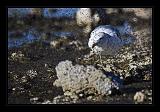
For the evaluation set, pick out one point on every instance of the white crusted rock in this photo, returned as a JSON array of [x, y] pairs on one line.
[[139, 97], [89, 17], [108, 40], [79, 78]]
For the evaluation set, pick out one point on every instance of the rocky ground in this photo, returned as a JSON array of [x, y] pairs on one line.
[[32, 67]]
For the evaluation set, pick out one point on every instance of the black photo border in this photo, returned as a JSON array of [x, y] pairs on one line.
[[76, 3]]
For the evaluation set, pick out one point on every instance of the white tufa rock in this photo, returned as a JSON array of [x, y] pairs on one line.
[[87, 19], [83, 16], [79, 78], [107, 40]]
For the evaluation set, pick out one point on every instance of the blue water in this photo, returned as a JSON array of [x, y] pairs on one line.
[[64, 34], [18, 11], [61, 12], [29, 36]]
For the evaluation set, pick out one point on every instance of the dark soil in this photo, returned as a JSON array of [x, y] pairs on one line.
[[36, 56]]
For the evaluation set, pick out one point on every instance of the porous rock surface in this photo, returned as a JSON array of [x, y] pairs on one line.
[[79, 78]]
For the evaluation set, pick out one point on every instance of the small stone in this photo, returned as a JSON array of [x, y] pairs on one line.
[[13, 89], [124, 94], [24, 79], [143, 91], [75, 97], [67, 93], [33, 100], [21, 55], [149, 93], [47, 102], [63, 100], [74, 101], [147, 77], [31, 73], [150, 98], [80, 95], [108, 68], [139, 97], [89, 97], [13, 54], [135, 19], [109, 92], [16, 56], [45, 65], [57, 83], [58, 97], [67, 99], [54, 43], [36, 98], [121, 77]]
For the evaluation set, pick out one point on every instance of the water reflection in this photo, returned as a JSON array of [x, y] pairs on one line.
[[26, 37], [33, 35], [59, 12], [19, 37]]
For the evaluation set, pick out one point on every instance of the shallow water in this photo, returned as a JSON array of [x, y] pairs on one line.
[[27, 37], [60, 12], [31, 35]]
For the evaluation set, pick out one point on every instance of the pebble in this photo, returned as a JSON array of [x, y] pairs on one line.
[[31, 73], [150, 99], [135, 19], [24, 79], [13, 54], [36, 98], [80, 95], [45, 65], [124, 95], [75, 97], [108, 68], [33, 100], [139, 97], [54, 43], [74, 101], [89, 97], [17, 55], [47, 102], [13, 89], [67, 93]]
